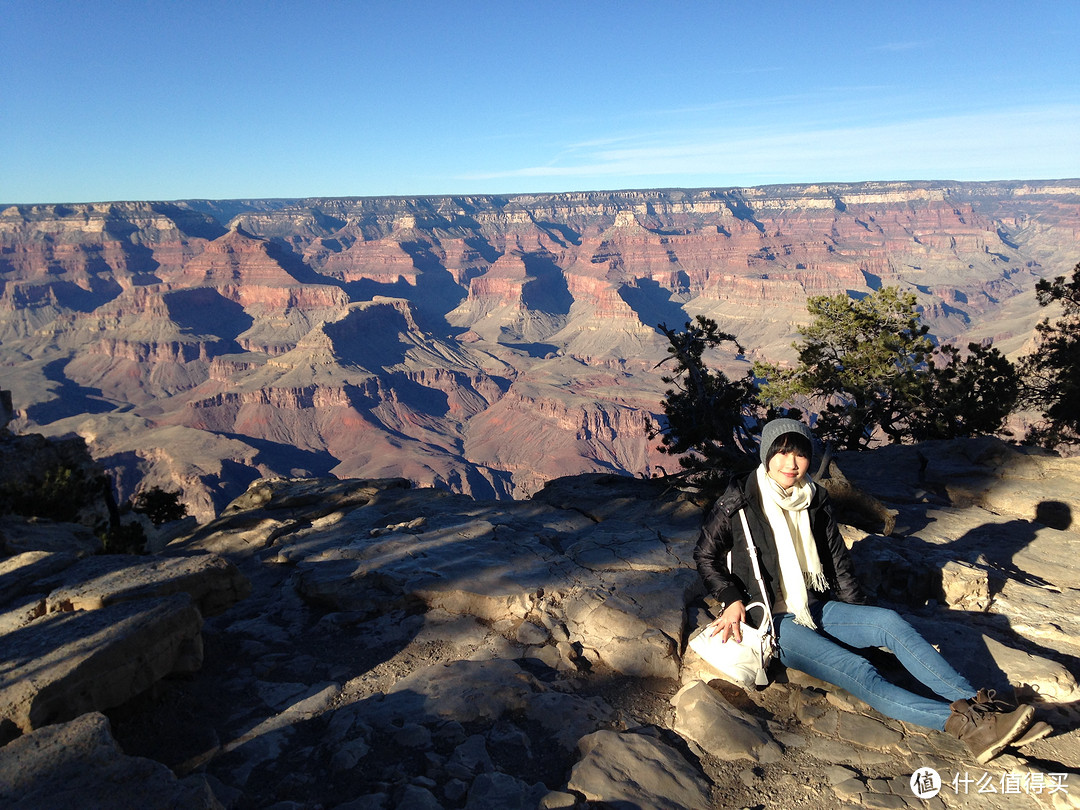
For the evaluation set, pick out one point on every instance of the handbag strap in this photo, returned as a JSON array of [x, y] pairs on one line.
[[752, 551]]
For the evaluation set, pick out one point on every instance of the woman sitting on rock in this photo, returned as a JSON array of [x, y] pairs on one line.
[[820, 612]]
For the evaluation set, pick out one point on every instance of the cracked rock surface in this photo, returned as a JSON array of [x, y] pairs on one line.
[[364, 644]]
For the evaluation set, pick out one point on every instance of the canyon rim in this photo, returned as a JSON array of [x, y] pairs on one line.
[[481, 344]]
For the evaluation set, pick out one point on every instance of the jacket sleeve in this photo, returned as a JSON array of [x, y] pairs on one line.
[[848, 588], [714, 542]]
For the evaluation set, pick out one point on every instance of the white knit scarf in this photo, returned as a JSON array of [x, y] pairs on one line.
[[800, 566]]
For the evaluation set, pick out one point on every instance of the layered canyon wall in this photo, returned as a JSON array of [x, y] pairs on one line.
[[484, 344]]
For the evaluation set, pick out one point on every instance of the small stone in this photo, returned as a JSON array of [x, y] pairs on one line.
[[372, 801], [848, 788], [557, 800], [884, 801], [837, 774], [414, 797], [454, 790], [413, 735], [471, 757], [750, 777], [818, 717], [878, 786], [450, 733], [348, 754], [531, 634], [500, 790], [547, 654]]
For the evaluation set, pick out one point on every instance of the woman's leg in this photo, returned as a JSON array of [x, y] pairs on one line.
[[863, 626], [815, 654]]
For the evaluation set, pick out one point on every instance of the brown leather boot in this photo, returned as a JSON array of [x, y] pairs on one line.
[[984, 726], [1036, 731]]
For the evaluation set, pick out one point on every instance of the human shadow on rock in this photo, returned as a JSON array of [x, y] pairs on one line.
[[995, 545], [962, 638], [907, 569], [907, 573]]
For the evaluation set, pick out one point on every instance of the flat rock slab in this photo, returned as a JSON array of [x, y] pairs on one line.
[[212, 582], [635, 770], [23, 573], [465, 691], [605, 497], [704, 716], [64, 664], [19, 535]]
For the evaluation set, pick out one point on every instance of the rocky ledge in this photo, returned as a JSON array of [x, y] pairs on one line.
[[364, 644]]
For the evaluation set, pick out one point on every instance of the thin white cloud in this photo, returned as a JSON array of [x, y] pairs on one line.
[[1022, 142], [902, 47]]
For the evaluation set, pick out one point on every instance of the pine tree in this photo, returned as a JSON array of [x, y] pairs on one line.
[[710, 419], [1051, 374], [873, 367]]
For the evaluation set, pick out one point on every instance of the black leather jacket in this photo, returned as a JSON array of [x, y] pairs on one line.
[[722, 532]]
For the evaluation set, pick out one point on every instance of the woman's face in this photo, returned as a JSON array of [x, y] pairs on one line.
[[788, 469]]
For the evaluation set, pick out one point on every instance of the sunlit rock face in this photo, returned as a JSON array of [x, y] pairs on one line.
[[484, 344]]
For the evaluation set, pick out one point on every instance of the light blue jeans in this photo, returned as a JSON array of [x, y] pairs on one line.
[[817, 653]]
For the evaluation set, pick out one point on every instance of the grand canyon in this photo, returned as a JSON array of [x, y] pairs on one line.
[[481, 344]]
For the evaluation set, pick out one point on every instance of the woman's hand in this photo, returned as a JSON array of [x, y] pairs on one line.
[[728, 623]]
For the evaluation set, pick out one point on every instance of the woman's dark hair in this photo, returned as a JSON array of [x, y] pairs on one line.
[[787, 442]]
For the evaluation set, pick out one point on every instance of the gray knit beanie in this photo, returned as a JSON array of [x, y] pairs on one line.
[[777, 428]]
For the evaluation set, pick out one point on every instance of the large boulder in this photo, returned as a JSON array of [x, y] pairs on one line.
[[79, 764], [64, 664]]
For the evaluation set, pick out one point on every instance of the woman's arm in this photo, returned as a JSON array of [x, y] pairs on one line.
[[714, 542], [848, 588]]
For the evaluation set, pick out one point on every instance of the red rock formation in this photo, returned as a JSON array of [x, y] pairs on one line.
[[529, 349]]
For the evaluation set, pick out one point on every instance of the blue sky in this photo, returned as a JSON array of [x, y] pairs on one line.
[[168, 100]]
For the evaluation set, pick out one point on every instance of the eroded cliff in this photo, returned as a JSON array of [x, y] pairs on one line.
[[482, 343]]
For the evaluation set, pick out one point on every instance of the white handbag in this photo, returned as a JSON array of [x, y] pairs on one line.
[[745, 662]]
